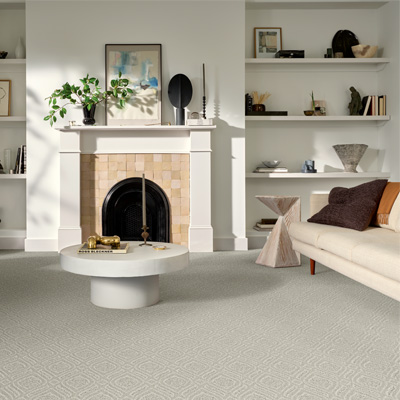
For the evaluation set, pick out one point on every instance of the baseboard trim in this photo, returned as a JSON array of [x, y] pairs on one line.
[[12, 243], [230, 244], [41, 245]]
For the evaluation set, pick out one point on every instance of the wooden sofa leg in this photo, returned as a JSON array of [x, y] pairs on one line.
[[312, 266]]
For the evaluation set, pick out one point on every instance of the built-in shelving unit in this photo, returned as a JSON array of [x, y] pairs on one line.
[[13, 128], [295, 137]]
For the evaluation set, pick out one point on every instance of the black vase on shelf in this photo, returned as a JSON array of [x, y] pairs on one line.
[[89, 115]]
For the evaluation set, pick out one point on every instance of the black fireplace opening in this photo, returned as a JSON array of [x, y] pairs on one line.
[[122, 211]]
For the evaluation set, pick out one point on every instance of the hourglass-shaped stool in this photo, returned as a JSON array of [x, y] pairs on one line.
[[277, 251]]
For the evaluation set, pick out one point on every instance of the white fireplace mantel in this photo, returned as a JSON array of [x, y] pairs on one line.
[[194, 140]]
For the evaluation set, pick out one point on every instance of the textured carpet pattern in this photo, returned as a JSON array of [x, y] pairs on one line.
[[225, 328]]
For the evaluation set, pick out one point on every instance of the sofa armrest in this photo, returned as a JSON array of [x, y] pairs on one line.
[[317, 202]]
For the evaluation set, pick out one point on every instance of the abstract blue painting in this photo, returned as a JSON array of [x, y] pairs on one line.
[[141, 65]]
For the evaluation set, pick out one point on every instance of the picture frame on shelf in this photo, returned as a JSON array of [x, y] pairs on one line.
[[5, 98], [141, 65], [267, 42]]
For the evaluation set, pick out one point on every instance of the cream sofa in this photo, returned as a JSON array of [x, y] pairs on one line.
[[371, 257]]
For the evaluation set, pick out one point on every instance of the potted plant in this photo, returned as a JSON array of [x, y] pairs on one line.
[[89, 95]]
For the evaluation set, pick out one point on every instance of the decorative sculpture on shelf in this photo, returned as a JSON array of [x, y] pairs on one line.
[[113, 241], [355, 105]]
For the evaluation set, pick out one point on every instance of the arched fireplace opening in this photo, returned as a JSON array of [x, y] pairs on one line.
[[122, 211]]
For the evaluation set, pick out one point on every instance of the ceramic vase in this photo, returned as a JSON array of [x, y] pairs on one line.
[[350, 155], [20, 50], [89, 115]]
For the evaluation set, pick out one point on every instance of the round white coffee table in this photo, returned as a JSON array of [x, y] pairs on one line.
[[128, 280]]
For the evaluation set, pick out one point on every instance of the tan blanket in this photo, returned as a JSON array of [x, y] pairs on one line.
[[389, 196]]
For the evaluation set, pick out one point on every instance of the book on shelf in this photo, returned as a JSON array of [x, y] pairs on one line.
[[266, 169], [103, 249], [20, 161], [374, 105], [257, 228], [265, 224]]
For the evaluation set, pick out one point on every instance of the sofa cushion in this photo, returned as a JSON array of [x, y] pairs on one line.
[[388, 208], [374, 248], [351, 208], [394, 217], [381, 256]]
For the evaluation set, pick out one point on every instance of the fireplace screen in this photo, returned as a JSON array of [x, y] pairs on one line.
[[122, 211]]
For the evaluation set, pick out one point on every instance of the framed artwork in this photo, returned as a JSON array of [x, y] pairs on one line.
[[5, 92], [267, 41], [141, 65]]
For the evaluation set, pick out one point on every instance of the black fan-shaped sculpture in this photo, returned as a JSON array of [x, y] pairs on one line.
[[342, 42], [180, 93]]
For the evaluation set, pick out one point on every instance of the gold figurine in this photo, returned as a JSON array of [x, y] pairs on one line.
[[113, 241], [145, 235]]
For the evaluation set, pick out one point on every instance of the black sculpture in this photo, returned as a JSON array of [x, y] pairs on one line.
[[342, 42], [355, 104], [180, 93]]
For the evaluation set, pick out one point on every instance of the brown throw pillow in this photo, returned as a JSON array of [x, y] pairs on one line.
[[351, 208]]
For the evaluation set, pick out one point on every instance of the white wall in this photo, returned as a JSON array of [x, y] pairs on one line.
[[65, 40], [312, 29], [389, 34]]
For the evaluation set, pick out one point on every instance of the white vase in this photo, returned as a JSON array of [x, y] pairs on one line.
[[20, 50]]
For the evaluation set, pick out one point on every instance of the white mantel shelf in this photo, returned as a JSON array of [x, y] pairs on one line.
[[139, 128], [318, 175]]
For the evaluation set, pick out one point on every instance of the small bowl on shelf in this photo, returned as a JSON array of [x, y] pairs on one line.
[[3, 54], [271, 164], [309, 113], [364, 50]]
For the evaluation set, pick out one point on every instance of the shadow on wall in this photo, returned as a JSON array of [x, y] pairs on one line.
[[44, 161]]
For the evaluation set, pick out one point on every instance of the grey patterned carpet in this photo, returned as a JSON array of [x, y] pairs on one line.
[[226, 328]]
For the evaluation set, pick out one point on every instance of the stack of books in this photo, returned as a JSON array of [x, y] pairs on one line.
[[266, 224], [266, 169], [374, 105], [20, 161]]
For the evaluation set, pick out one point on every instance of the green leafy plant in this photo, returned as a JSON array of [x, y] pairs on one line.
[[87, 95]]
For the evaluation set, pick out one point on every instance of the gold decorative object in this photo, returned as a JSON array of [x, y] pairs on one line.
[[113, 241], [145, 235], [159, 247], [260, 99]]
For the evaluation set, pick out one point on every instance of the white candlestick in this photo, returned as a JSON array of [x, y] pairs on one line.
[[144, 199]]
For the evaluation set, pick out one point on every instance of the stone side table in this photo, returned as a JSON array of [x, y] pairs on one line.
[[277, 251]]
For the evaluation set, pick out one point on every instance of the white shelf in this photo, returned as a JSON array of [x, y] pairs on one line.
[[13, 119], [317, 64], [254, 233], [313, 4], [12, 61], [303, 118], [324, 61], [12, 176], [318, 175]]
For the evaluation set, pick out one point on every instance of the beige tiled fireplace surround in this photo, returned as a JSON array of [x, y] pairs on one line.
[[100, 172]]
